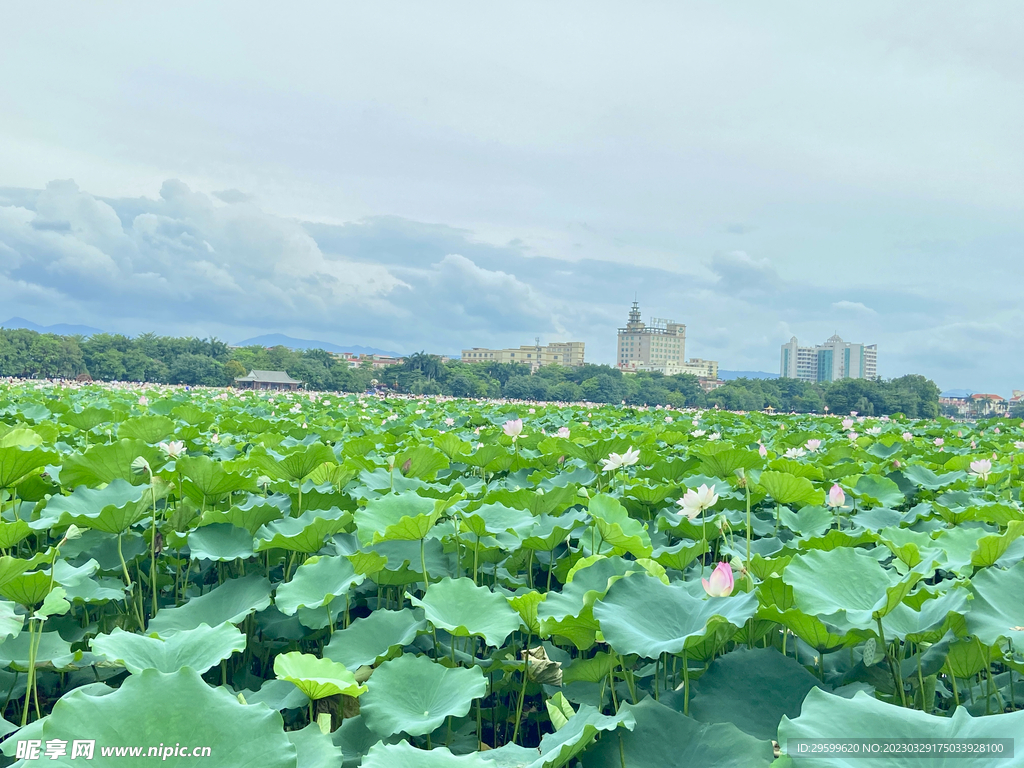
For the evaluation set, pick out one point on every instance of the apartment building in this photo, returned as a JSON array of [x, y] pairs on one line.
[[834, 360], [658, 346], [568, 353]]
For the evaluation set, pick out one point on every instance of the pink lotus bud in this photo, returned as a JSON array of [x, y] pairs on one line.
[[836, 497], [762, 450], [813, 445], [939, 441], [847, 423], [721, 582], [513, 428]]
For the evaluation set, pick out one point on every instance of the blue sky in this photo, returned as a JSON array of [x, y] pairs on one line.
[[446, 175]]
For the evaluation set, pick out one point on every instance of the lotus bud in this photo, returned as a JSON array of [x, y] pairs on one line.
[[836, 497], [721, 582], [141, 467]]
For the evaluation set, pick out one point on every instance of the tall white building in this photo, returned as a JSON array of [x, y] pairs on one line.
[[658, 346], [835, 359]]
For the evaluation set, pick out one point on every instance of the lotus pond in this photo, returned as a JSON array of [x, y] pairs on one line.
[[294, 579]]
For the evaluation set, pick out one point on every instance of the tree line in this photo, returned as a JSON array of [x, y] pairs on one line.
[[211, 362]]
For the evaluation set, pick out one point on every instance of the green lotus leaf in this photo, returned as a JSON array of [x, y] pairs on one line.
[[80, 586], [930, 622], [251, 515], [11, 622], [231, 602], [299, 463], [106, 463], [371, 639], [497, 518], [991, 548], [12, 567], [314, 747], [646, 617], [201, 648], [549, 531], [927, 479], [220, 541], [624, 533], [277, 694], [464, 609], [997, 610], [752, 689], [809, 521], [20, 438], [87, 418], [53, 651], [305, 533], [148, 429], [88, 503], [797, 468], [207, 479], [825, 716], [317, 678], [405, 755], [788, 489], [590, 670], [13, 533], [414, 695], [316, 583], [526, 605], [559, 748], [403, 516], [724, 463], [665, 738], [421, 461], [880, 490], [16, 462], [28, 589], [238, 736], [848, 580]]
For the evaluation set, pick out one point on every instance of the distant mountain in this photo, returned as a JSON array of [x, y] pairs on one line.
[[280, 340], [729, 375], [61, 329]]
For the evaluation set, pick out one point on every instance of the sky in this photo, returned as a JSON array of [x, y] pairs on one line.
[[445, 175]]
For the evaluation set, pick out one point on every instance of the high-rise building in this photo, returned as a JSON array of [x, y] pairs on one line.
[[835, 359], [658, 346], [643, 346]]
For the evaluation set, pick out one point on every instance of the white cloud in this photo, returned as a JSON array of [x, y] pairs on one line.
[[853, 306]]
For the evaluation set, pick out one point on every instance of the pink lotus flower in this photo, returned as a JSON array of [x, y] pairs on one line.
[[996, 430], [853, 413], [939, 441], [982, 468], [721, 582], [762, 451], [513, 428], [813, 445], [959, 433], [973, 444], [836, 497], [852, 435], [563, 432], [907, 436], [847, 423], [143, 401], [668, 419]]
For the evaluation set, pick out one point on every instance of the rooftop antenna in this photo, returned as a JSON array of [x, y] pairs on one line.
[[537, 340]]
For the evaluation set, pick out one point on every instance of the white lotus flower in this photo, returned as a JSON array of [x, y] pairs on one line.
[[173, 449], [794, 453], [697, 500], [616, 461]]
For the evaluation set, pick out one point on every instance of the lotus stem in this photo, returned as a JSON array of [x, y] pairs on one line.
[[423, 562], [522, 692]]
